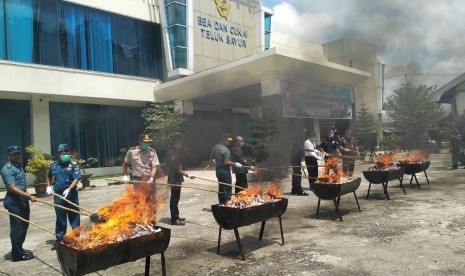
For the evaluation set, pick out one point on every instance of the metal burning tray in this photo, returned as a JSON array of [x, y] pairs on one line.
[[383, 178], [333, 191], [81, 262], [414, 168], [229, 218]]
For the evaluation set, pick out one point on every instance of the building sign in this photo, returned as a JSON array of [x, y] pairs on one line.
[[223, 8], [220, 31], [312, 101]]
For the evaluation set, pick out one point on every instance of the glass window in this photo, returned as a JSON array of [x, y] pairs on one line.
[[167, 2], [126, 46], [73, 48], [177, 32], [15, 117], [19, 31], [96, 130], [46, 35], [2, 29], [267, 30], [99, 41]]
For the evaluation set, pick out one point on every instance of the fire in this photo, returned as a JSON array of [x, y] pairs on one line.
[[252, 197], [386, 159], [135, 209], [415, 157], [331, 172]]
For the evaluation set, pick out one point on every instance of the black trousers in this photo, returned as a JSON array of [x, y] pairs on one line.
[[174, 201], [312, 168], [241, 181], [296, 177], [18, 230]]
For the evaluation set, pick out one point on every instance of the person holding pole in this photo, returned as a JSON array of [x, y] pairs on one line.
[[63, 177], [17, 202]]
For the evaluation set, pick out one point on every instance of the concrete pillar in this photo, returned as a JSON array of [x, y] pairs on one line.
[[184, 107], [40, 122], [316, 129]]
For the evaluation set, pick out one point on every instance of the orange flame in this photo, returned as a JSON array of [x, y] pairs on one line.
[[273, 191], [415, 157], [252, 196], [386, 159], [137, 206], [331, 172]]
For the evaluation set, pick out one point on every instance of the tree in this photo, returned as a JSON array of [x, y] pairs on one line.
[[164, 123], [413, 113], [365, 129]]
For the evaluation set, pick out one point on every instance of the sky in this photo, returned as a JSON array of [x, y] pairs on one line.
[[423, 39]]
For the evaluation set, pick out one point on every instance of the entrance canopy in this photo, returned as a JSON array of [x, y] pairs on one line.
[[252, 70]]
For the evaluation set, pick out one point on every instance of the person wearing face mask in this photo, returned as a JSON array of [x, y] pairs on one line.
[[63, 177], [143, 160], [331, 144], [237, 156]]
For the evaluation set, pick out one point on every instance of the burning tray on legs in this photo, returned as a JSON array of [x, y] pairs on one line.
[[229, 218], [383, 177], [333, 191], [79, 262], [414, 168]]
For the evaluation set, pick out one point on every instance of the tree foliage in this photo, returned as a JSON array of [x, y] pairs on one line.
[[365, 129], [415, 115], [164, 124]]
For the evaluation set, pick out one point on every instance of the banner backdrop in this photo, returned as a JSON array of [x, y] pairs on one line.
[[312, 101]]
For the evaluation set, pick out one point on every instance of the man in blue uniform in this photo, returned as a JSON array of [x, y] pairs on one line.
[[64, 176], [17, 202]]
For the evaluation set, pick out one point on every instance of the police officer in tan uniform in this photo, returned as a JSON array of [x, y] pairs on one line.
[[143, 160]]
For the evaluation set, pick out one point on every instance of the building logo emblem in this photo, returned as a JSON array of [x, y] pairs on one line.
[[223, 7]]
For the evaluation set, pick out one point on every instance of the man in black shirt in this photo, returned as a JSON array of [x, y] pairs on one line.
[[238, 156]]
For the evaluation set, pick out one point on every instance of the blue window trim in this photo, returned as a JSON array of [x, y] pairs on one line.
[[175, 43]]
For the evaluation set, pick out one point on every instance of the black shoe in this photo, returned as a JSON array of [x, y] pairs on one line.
[[303, 194], [178, 222], [182, 219], [24, 257], [453, 168]]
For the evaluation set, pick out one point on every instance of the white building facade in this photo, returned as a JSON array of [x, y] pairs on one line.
[[81, 71]]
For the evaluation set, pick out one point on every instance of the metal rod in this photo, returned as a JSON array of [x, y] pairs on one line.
[[62, 207], [71, 203], [262, 229], [27, 221], [188, 187], [282, 232], [221, 183]]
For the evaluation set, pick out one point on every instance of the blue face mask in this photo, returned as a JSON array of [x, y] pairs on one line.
[[145, 146], [65, 158], [241, 144], [331, 135]]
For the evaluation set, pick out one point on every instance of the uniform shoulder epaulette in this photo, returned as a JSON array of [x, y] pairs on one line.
[[131, 148], [153, 150], [9, 165]]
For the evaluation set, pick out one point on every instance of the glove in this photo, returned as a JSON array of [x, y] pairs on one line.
[[191, 176], [238, 165], [150, 180], [65, 193], [125, 179], [49, 190]]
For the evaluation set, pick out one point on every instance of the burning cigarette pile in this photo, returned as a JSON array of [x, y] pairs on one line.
[[252, 197], [130, 216], [415, 157], [332, 174], [384, 162]]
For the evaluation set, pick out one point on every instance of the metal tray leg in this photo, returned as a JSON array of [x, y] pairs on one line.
[[219, 241], [163, 268], [416, 180], [427, 180], [385, 185], [356, 200], [238, 239], [147, 266], [281, 227], [368, 193], [262, 229], [402, 185], [337, 209], [318, 208], [411, 179]]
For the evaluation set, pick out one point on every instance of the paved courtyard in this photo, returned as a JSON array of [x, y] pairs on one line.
[[421, 233]]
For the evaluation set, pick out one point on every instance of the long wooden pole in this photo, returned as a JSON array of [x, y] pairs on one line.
[[189, 187], [27, 221], [265, 169], [221, 183], [62, 207], [71, 203]]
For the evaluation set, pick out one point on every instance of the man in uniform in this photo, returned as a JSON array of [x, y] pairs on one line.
[[17, 202], [143, 160], [311, 157], [221, 156], [238, 156], [63, 177]]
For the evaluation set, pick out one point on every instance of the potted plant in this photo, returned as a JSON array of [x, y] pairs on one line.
[[83, 165], [38, 164]]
